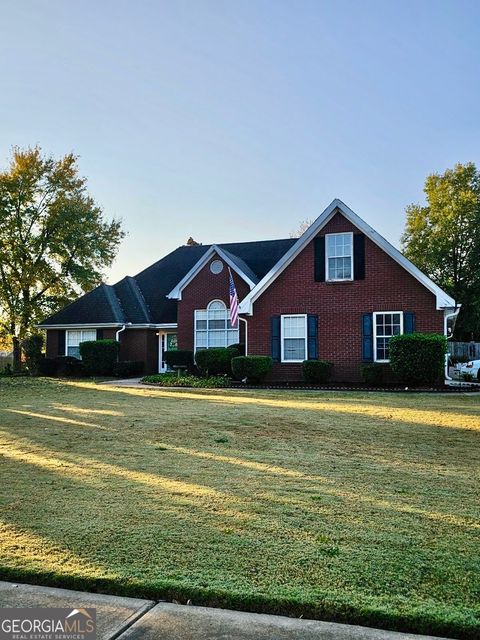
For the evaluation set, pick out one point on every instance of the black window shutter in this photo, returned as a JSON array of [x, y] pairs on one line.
[[319, 259], [275, 337], [359, 256], [367, 337], [312, 326], [99, 334], [61, 342], [409, 322]]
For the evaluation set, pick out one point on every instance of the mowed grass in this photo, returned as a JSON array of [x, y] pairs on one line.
[[362, 508]]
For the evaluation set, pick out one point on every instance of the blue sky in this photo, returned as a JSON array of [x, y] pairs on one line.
[[231, 121]]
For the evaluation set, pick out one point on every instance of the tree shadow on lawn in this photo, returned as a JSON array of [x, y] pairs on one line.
[[339, 464], [271, 553], [381, 408], [233, 504]]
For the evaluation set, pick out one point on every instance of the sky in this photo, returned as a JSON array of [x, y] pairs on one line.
[[234, 121]]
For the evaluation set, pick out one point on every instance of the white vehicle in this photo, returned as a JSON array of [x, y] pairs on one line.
[[472, 368]]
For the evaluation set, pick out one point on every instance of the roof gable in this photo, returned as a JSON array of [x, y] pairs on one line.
[[442, 298], [234, 262]]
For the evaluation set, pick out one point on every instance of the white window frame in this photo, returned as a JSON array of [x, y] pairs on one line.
[[282, 322], [382, 313], [327, 278], [226, 330], [82, 332]]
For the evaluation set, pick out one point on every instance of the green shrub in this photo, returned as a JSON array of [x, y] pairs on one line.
[[180, 358], [47, 367], [174, 380], [216, 361], [99, 356], [418, 358], [239, 346], [317, 371], [373, 373], [32, 348], [253, 368], [128, 368], [69, 367]]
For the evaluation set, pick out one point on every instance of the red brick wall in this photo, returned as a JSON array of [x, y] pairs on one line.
[[204, 288], [339, 306], [140, 344], [51, 344]]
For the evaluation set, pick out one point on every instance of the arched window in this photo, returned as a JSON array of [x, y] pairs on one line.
[[213, 328]]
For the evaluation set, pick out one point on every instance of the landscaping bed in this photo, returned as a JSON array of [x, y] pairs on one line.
[[356, 507]]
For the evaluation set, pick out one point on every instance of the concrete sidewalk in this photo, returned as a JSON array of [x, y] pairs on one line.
[[134, 619]]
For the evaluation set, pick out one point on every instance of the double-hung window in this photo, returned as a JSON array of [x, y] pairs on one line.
[[385, 325], [294, 338], [74, 338], [339, 256], [213, 327]]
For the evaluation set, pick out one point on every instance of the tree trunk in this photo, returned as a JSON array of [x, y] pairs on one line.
[[17, 354]]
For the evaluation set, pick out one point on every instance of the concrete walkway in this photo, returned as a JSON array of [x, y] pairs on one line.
[[134, 619]]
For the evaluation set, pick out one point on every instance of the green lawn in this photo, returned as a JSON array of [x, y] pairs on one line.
[[354, 507]]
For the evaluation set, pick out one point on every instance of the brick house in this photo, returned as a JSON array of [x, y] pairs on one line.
[[336, 293]]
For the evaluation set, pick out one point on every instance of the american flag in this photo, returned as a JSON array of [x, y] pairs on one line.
[[233, 302]]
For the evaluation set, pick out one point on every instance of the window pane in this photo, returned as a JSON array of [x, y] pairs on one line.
[[217, 304], [294, 349], [201, 339], [216, 324], [339, 268], [73, 338], [213, 328], [232, 337], [216, 338], [294, 326], [339, 245], [89, 335], [172, 344], [74, 352], [386, 325], [382, 349]]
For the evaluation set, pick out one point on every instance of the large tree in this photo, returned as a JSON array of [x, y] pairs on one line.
[[443, 240], [54, 240]]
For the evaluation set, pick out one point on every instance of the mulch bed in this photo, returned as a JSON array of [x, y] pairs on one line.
[[392, 388]]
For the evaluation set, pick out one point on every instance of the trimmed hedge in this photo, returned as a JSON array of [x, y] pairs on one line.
[[174, 380], [69, 367], [47, 367], [239, 346], [99, 356], [253, 368], [128, 368], [418, 358], [216, 361], [372, 373], [317, 371], [180, 358]]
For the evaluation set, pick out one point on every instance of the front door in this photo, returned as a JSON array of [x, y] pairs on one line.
[[166, 342]]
